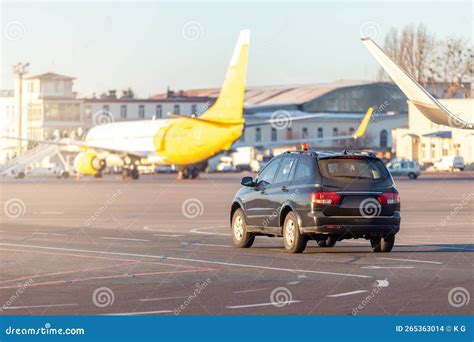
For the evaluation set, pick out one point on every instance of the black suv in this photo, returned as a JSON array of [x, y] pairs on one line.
[[322, 196]]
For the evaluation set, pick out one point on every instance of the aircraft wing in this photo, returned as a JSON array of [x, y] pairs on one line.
[[280, 120], [424, 101], [357, 134], [82, 145]]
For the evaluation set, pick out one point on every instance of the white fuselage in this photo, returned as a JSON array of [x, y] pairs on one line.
[[127, 136]]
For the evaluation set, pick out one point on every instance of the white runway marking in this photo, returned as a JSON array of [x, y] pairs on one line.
[[157, 299], [204, 244], [386, 267], [53, 234], [38, 306], [168, 235], [347, 293], [247, 291], [261, 304], [124, 239], [139, 313], [412, 260], [198, 231], [162, 257], [293, 282]]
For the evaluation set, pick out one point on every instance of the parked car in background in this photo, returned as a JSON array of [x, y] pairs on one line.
[[257, 165], [449, 163], [404, 168], [226, 164]]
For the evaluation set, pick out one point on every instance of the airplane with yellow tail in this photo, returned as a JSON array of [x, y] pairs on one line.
[[182, 140]]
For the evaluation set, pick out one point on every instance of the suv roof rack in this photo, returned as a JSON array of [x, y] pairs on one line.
[[366, 152], [311, 153], [324, 154]]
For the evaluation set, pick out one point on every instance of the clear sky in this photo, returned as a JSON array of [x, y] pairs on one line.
[[115, 45]]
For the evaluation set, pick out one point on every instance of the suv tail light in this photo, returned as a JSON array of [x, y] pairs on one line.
[[325, 198], [389, 198]]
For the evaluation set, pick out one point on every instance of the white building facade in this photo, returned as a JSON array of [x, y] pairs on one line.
[[428, 142]]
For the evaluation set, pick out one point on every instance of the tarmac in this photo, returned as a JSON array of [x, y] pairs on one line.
[[158, 246]]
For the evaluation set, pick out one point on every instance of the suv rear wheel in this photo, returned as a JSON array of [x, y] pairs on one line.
[[294, 241], [329, 242], [382, 244], [242, 238]]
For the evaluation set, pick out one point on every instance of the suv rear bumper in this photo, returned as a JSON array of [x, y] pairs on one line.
[[354, 225]]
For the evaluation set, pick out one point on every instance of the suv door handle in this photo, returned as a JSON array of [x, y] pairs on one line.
[[284, 188]]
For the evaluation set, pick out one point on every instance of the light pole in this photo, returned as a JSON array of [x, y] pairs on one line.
[[20, 70]]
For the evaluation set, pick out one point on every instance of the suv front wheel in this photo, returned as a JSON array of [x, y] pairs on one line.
[[382, 244], [242, 238], [294, 241]]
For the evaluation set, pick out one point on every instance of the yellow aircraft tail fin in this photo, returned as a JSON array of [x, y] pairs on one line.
[[364, 123], [229, 105]]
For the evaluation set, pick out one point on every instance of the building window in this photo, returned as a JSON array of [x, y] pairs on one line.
[[457, 149], [335, 132], [304, 133], [194, 109], [383, 138], [289, 133], [274, 134], [176, 109], [123, 111], [258, 134], [159, 111], [106, 109], [141, 111], [320, 132], [87, 111]]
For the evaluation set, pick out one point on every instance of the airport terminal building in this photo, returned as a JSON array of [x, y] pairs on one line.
[[336, 108], [52, 109]]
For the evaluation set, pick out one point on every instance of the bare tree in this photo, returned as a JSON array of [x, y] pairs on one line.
[[430, 61], [411, 49], [452, 66]]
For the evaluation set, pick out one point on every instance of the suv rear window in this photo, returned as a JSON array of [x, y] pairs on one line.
[[353, 169]]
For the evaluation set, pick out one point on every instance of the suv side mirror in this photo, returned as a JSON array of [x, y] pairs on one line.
[[247, 181]]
